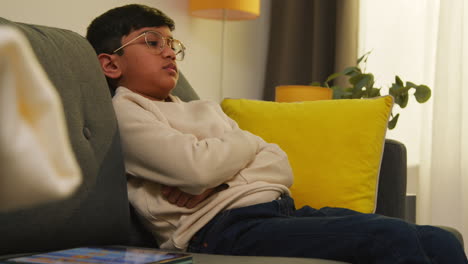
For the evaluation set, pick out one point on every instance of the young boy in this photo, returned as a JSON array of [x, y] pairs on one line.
[[201, 184]]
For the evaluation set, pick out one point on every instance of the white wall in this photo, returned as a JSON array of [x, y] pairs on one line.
[[245, 52], [401, 35]]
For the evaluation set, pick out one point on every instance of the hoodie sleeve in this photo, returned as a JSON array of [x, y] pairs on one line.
[[271, 163], [156, 151]]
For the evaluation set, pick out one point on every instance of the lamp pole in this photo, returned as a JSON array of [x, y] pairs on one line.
[[243, 10], [223, 29]]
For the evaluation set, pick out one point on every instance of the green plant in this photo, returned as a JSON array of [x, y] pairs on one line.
[[361, 85]]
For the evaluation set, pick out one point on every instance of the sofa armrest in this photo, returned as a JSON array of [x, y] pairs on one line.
[[391, 197]]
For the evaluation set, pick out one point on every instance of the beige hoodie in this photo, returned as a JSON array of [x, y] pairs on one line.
[[193, 146]]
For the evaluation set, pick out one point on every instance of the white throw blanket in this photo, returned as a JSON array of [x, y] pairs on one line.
[[37, 163]]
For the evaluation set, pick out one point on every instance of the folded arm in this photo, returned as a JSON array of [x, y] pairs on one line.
[[271, 163], [157, 152]]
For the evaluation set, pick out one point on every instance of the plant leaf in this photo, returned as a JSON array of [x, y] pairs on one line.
[[408, 87], [422, 94], [411, 85], [374, 92], [355, 79], [402, 100], [315, 84], [396, 90], [360, 81], [333, 76], [351, 71], [393, 122], [338, 92], [363, 57], [398, 80], [342, 93], [357, 94], [369, 86]]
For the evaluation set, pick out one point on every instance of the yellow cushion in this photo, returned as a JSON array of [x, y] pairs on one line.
[[335, 147]]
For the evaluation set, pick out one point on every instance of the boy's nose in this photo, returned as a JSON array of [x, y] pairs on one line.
[[168, 52]]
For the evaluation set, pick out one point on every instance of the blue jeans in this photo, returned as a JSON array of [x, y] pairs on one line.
[[278, 229]]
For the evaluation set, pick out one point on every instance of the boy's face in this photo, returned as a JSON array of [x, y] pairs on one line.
[[145, 72]]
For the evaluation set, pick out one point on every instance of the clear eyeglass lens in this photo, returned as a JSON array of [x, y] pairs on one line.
[[156, 42], [178, 49]]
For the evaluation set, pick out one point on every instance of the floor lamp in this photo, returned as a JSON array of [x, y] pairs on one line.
[[225, 10]]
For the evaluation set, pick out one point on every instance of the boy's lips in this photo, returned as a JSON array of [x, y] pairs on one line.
[[171, 67]]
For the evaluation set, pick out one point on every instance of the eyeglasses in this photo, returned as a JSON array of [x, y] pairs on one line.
[[156, 42]]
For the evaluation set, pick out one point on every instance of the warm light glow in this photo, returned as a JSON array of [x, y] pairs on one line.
[[225, 9]]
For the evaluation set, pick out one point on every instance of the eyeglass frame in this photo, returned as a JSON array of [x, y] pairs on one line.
[[166, 40]]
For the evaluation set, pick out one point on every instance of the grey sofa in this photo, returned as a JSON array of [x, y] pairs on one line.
[[99, 212]]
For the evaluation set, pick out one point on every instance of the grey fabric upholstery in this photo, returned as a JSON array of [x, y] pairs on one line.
[[184, 90], [99, 212], [391, 197]]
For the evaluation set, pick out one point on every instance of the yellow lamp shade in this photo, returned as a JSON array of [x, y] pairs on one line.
[[225, 9], [299, 93]]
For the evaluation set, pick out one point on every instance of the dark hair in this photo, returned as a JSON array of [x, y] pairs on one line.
[[106, 31]]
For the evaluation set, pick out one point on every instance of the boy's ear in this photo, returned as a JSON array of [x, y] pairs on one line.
[[110, 66]]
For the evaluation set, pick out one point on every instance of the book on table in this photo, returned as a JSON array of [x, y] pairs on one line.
[[101, 255]]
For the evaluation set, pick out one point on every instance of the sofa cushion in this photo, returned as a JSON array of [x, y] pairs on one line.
[[334, 146], [184, 90], [98, 212]]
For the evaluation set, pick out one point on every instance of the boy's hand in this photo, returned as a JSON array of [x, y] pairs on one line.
[[175, 196]]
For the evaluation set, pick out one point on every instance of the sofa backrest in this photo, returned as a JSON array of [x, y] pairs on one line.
[[98, 213]]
